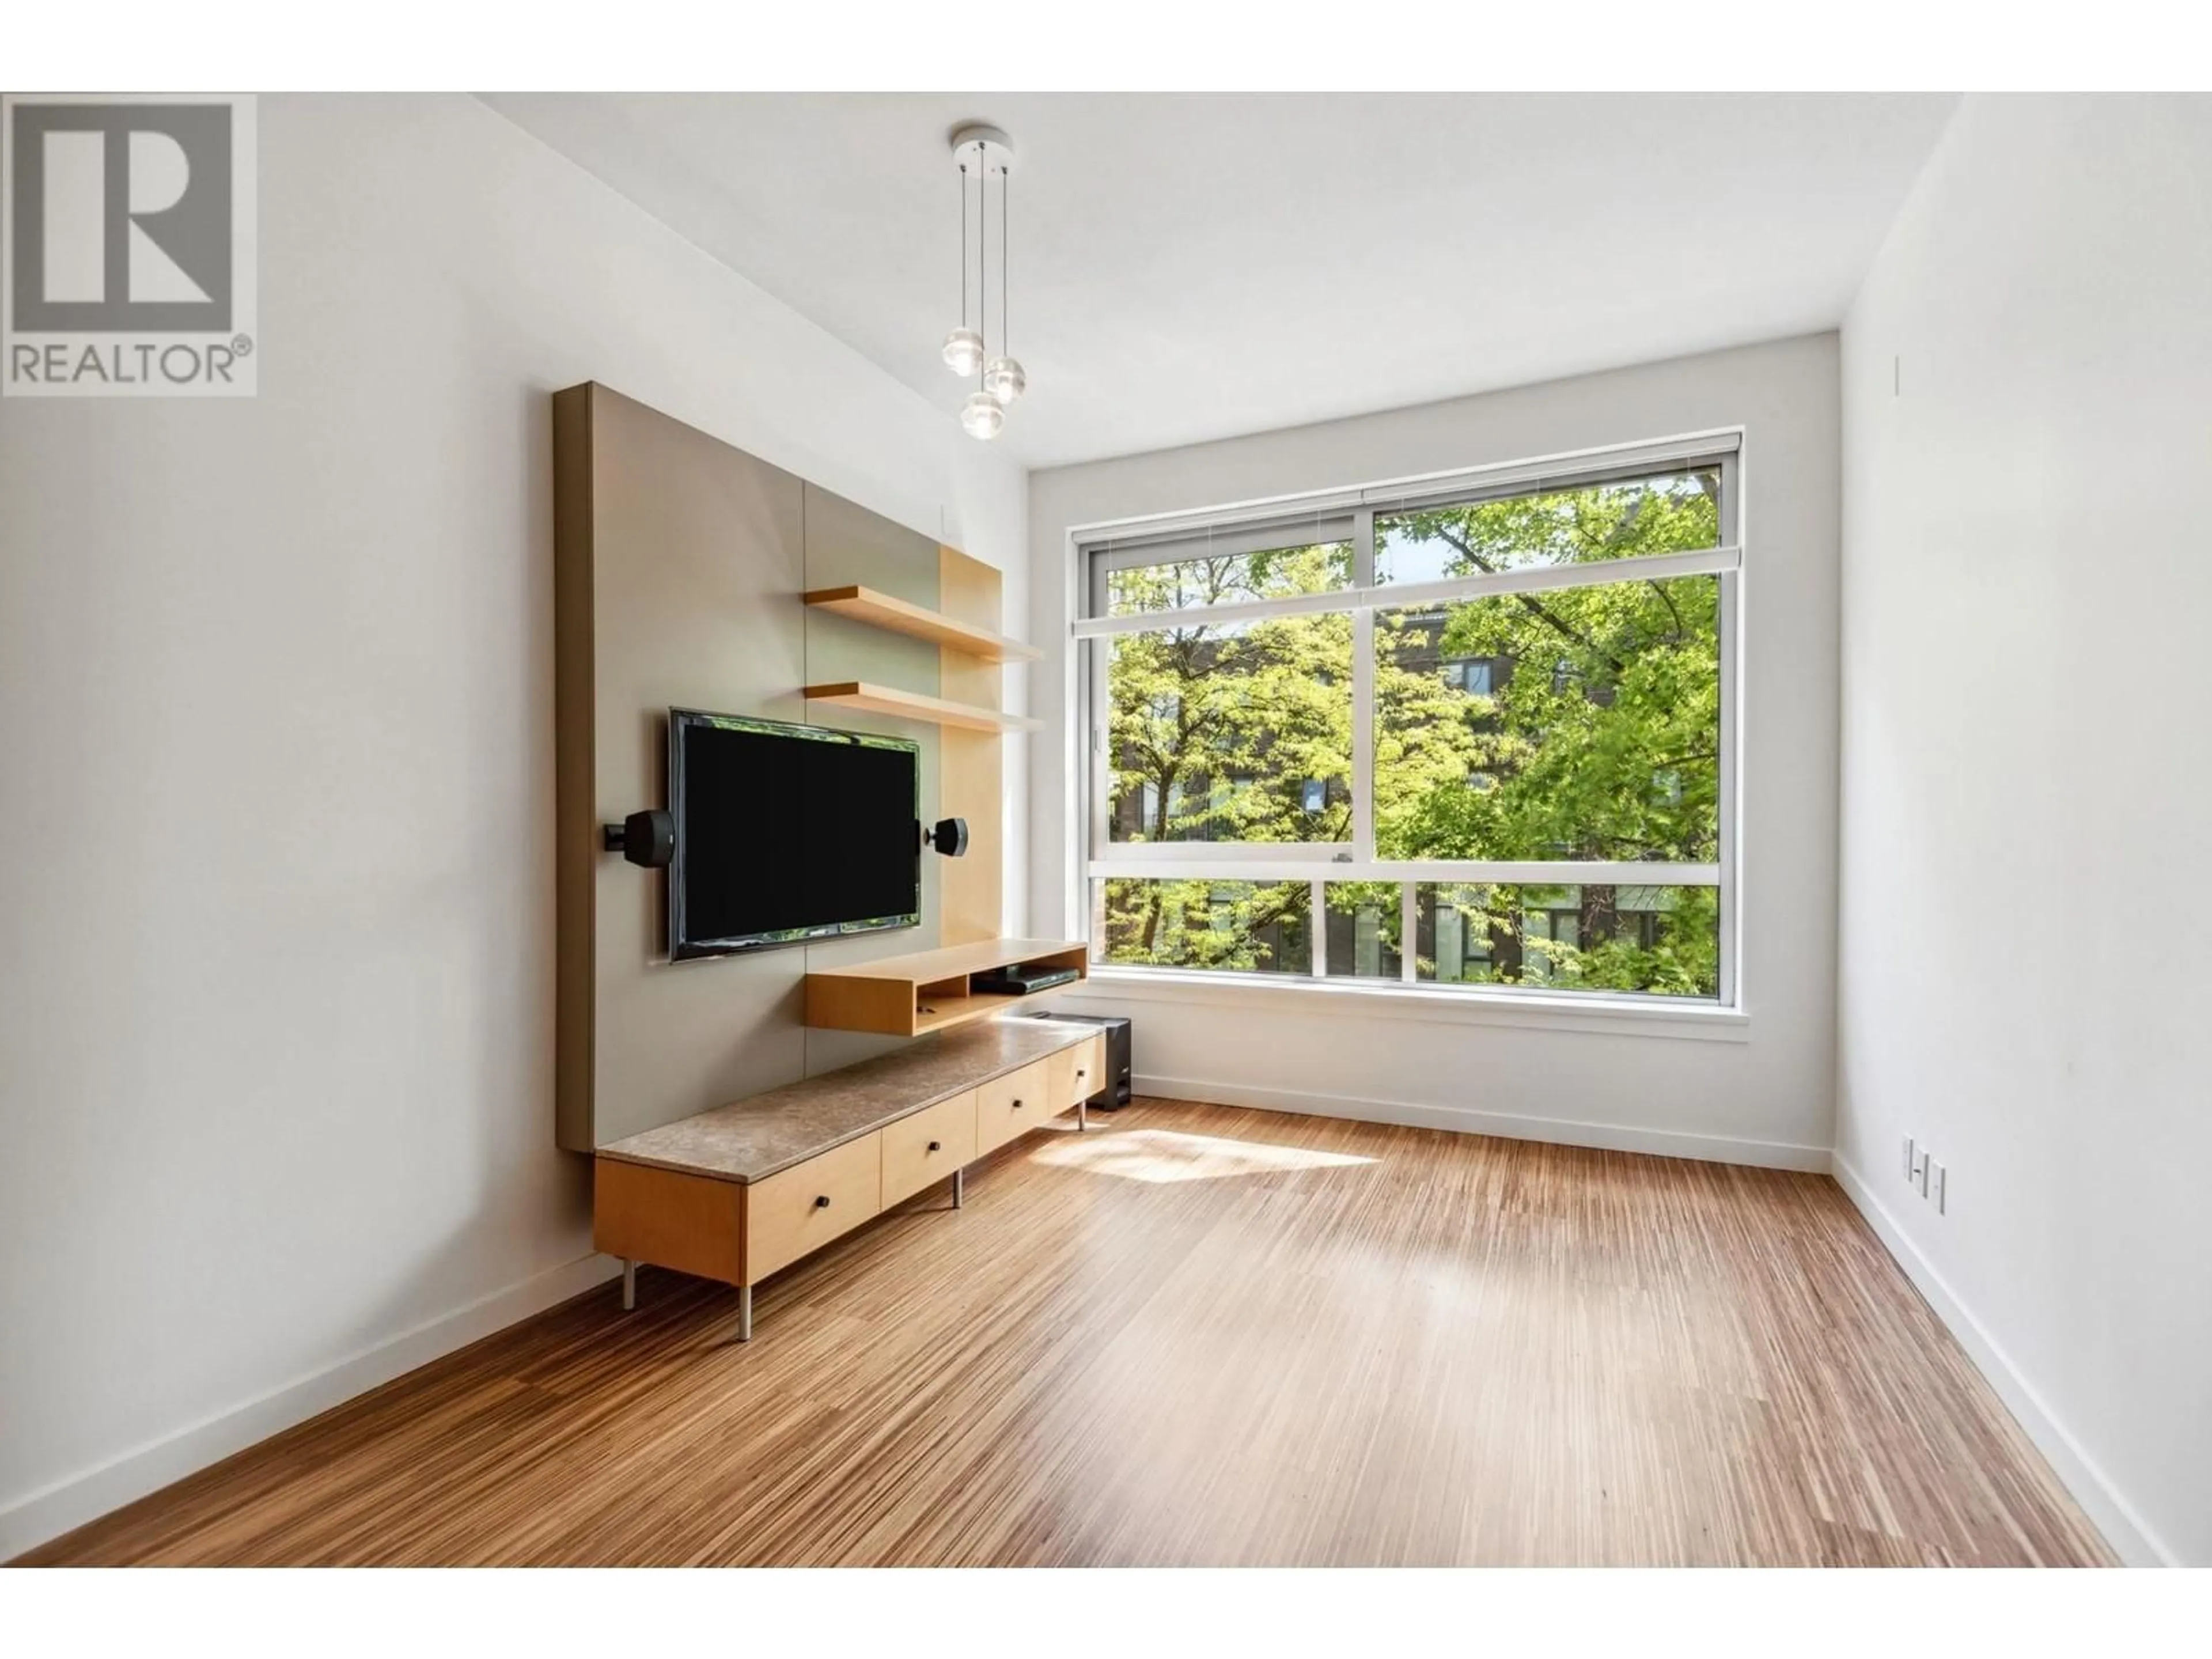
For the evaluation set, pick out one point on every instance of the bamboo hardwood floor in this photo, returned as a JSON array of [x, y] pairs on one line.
[[1198, 1335]]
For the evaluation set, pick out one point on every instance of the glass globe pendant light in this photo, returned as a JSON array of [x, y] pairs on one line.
[[963, 351], [982, 416], [1000, 379], [963, 347], [1004, 381], [1003, 378]]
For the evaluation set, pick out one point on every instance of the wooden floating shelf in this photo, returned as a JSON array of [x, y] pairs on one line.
[[912, 705], [929, 991], [882, 611]]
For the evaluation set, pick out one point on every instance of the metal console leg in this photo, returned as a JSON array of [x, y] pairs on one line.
[[1082, 1115], [744, 1313], [959, 1187], [630, 1284]]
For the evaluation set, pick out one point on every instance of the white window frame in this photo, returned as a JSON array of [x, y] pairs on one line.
[[1097, 548]]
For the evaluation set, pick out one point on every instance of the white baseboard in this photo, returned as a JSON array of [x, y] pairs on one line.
[[1611, 1137], [31, 1520], [2131, 1540]]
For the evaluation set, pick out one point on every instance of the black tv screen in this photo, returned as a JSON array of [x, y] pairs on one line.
[[787, 832]]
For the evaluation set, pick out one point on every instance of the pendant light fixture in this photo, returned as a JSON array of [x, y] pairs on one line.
[[982, 154], [963, 347], [982, 416], [1003, 376]]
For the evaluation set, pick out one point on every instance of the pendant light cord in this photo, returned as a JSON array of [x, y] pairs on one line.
[[982, 257], [964, 247], [1005, 191]]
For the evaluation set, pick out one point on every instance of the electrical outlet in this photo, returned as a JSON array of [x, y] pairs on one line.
[[1924, 1175]]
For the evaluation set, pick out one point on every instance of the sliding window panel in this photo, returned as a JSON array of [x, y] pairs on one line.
[[1580, 724], [1667, 512], [1614, 937], [1234, 568], [1216, 926]]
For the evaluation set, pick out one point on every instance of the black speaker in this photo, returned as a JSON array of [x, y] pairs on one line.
[[643, 838], [948, 835]]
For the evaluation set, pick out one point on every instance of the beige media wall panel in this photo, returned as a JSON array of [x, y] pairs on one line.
[[679, 565]]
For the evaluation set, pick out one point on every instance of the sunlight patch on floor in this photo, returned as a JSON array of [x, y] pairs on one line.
[[1162, 1155]]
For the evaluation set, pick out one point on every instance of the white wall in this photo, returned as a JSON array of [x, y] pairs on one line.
[[2027, 939], [1766, 1099], [276, 744]]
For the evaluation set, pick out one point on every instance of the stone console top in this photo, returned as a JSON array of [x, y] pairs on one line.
[[753, 1138]]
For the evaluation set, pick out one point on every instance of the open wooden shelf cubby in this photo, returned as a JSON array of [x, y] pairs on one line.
[[930, 990]]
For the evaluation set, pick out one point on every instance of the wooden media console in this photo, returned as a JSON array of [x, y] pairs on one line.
[[736, 1192]]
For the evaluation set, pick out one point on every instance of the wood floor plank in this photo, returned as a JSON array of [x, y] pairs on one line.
[[1199, 1335]]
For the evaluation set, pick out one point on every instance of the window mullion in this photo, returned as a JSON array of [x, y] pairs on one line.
[[1362, 695], [1526, 579], [1731, 690], [1099, 757], [1166, 862], [1363, 730]]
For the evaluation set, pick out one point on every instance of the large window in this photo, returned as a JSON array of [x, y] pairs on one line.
[[1478, 735]]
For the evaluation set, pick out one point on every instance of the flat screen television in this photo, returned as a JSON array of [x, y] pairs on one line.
[[788, 833]]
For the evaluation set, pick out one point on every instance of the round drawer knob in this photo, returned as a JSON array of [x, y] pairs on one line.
[[822, 1202], [936, 1145], [1017, 1105], [1082, 1074]]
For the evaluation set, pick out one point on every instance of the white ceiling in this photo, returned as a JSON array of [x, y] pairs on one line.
[[1194, 266]]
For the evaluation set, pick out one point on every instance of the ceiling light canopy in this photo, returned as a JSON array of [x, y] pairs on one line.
[[983, 154]]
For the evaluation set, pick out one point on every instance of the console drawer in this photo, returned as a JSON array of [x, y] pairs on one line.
[[785, 1215], [1077, 1073], [927, 1147], [1011, 1105]]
